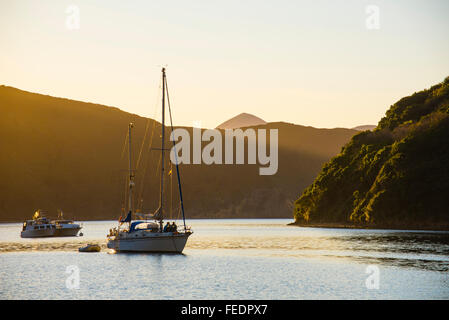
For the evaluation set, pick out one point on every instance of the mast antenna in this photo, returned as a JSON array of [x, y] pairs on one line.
[[131, 174], [161, 201]]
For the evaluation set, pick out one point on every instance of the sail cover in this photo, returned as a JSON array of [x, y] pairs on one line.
[[128, 218]]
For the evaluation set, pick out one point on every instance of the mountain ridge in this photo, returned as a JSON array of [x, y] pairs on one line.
[[365, 127], [65, 154], [395, 176]]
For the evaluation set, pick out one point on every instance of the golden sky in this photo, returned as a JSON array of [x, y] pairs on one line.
[[313, 63]]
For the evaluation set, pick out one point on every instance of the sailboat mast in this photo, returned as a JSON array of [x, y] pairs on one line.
[[131, 175], [161, 203], [176, 158]]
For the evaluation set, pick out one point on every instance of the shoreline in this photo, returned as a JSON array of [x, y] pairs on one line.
[[322, 225], [337, 225], [90, 220]]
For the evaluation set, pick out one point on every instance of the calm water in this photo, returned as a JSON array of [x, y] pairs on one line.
[[232, 259]]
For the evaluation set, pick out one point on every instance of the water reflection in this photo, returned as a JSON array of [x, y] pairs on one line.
[[270, 238]]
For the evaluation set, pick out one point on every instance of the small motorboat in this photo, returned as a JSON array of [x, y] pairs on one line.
[[90, 248], [40, 226]]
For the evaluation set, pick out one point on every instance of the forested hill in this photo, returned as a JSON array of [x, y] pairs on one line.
[[66, 154], [395, 176]]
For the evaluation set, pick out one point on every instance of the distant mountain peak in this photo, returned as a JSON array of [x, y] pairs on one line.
[[242, 120], [365, 127]]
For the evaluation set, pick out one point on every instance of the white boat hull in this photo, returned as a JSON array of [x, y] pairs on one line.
[[158, 242], [37, 233], [67, 232]]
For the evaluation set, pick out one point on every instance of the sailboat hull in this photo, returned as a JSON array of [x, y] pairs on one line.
[[157, 243]]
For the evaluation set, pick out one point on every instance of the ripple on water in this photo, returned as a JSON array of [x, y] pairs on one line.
[[272, 238]]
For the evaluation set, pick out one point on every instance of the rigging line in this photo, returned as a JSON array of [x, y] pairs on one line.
[[158, 167], [147, 126], [126, 196], [176, 156], [146, 162], [178, 210], [142, 185], [125, 143], [143, 143], [171, 190]]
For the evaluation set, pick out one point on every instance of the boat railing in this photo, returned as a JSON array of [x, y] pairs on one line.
[[182, 229]]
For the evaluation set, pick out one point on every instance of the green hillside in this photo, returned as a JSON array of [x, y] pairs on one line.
[[60, 153], [395, 176]]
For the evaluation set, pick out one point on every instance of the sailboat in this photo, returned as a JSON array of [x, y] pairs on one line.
[[149, 235]]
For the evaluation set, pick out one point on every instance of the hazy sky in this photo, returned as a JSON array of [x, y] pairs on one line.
[[308, 62]]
